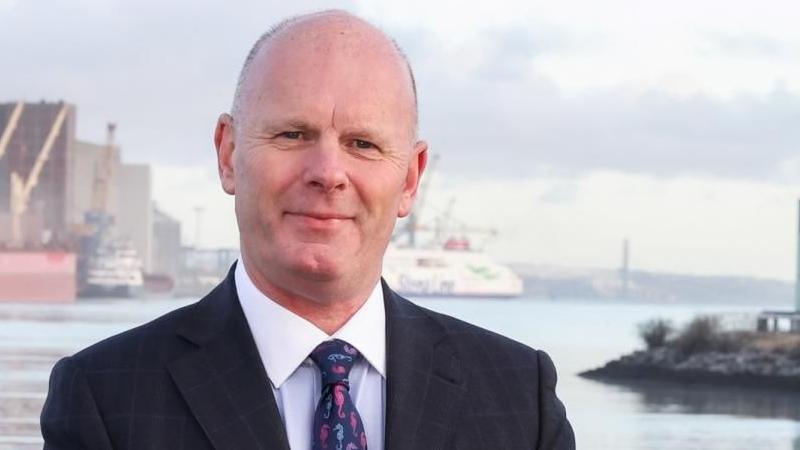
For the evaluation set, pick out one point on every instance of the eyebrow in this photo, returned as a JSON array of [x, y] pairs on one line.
[[292, 122], [365, 131]]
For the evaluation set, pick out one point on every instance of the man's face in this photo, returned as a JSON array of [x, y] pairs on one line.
[[324, 161]]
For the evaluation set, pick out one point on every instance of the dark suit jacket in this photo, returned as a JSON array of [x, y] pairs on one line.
[[193, 380]]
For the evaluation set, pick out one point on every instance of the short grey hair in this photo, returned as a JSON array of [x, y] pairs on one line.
[[285, 23]]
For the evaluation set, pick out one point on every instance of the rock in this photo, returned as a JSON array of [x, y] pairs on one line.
[[746, 368]]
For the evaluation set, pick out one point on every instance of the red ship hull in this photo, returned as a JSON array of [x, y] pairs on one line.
[[37, 276]]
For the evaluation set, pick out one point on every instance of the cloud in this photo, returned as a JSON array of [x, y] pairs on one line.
[[510, 52], [490, 109], [745, 45], [521, 124]]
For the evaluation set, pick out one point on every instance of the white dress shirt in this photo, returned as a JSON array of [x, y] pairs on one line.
[[284, 341]]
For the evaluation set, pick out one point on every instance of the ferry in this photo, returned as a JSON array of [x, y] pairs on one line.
[[452, 270]]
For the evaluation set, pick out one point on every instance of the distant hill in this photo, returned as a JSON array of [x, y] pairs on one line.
[[559, 282]]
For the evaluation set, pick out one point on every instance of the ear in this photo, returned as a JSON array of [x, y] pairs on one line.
[[224, 142], [416, 167]]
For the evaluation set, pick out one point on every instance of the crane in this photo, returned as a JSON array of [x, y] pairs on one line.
[[21, 189], [10, 127], [102, 174], [97, 220]]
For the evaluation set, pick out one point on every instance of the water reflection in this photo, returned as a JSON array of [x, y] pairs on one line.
[[658, 397]]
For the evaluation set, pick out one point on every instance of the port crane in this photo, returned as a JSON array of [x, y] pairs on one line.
[[21, 188], [444, 221], [98, 219], [10, 127]]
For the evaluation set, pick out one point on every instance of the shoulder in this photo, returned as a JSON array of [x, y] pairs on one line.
[[148, 344], [514, 381], [155, 343], [471, 335], [106, 371], [472, 342]]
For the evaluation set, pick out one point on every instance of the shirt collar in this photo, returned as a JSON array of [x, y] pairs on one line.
[[284, 340]]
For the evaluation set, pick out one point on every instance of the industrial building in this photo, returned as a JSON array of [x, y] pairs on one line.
[[54, 187], [166, 255]]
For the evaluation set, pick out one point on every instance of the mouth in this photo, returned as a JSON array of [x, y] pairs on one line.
[[319, 220], [320, 215]]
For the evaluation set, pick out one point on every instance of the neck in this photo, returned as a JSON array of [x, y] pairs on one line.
[[328, 306]]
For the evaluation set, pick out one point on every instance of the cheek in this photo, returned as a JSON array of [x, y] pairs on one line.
[[256, 197], [384, 199], [264, 175]]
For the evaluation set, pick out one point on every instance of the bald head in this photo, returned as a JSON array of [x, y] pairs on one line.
[[329, 31]]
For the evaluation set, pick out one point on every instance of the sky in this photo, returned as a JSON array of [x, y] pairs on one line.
[[565, 126]]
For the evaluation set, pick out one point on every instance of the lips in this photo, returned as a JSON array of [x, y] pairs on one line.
[[320, 215], [318, 222]]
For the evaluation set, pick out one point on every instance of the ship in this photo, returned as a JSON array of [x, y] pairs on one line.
[[450, 271], [112, 269], [446, 264], [37, 276]]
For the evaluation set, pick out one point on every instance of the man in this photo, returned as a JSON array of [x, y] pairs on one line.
[[302, 346]]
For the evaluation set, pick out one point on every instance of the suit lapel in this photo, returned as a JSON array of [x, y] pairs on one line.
[[425, 382], [223, 380]]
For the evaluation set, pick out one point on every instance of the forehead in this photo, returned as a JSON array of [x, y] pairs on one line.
[[356, 74]]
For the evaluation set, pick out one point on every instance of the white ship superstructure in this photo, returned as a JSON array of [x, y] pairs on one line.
[[448, 272], [114, 269]]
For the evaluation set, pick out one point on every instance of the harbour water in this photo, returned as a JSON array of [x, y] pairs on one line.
[[577, 334]]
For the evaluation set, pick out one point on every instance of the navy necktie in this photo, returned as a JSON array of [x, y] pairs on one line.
[[337, 424]]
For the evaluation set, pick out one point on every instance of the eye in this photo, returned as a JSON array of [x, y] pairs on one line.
[[292, 134], [362, 144]]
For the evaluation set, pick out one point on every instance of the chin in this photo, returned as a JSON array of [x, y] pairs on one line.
[[319, 266]]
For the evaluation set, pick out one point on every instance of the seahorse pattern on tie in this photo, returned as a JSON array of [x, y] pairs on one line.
[[337, 424]]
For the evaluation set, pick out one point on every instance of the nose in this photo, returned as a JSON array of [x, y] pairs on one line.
[[325, 170]]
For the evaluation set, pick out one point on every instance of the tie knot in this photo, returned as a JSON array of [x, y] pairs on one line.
[[335, 359]]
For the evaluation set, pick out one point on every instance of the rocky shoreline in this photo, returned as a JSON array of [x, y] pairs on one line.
[[750, 368]]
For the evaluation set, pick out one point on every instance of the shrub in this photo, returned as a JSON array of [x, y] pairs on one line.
[[700, 335], [655, 332], [731, 342]]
